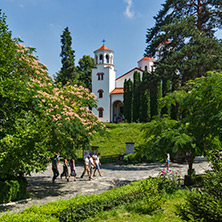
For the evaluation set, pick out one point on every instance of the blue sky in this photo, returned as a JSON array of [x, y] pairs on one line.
[[122, 23]]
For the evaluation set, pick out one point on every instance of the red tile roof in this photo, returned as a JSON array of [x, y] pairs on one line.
[[117, 91], [147, 58], [104, 48]]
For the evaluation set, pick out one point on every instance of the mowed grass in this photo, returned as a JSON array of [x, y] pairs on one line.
[[167, 213], [114, 143]]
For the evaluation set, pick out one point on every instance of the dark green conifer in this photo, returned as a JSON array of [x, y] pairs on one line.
[[136, 97], [68, 72]]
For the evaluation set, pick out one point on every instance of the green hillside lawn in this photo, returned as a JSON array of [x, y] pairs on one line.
[[114, 142]]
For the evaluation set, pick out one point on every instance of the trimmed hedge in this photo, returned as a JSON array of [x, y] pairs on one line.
[[80, 207], [11, 190]]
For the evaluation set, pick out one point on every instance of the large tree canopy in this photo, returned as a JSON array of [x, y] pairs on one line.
[[37, 117], [184, 35], [200, 130], [85, 71]]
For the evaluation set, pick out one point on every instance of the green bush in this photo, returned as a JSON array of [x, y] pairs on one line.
[[204, 205], [132, 158], [152, 201], [81, 207], [27, 217], [14, 189], [200, 206], [168, 181]]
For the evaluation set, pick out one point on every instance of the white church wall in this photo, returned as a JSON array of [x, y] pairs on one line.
[[146, 65], [112, 78], [129, 75]]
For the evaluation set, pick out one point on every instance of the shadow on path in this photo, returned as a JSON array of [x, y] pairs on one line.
[[42, 187]]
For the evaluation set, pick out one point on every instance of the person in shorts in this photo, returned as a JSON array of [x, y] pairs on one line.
[[97, 164], [168, 161]]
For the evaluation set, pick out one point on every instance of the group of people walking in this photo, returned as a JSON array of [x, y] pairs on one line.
[[91, 165]]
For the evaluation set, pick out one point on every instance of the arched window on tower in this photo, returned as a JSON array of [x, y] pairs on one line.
[[145, 68], [100, 91], [107, 58], [101, 58], [96, 59], [100, 75], [100, 110]]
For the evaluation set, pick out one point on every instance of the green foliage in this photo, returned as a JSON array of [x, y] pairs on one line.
[[84, 70], [145, 98], [122, 213], [153, 198], [168, 181], [205, 204], [68, 72], [114, 142], [136, 97], [37, 117], [28, 217], [142, 98], [79, 208], [139, 197], [14, 189], [191, 52], [198, 130], [128, 100]]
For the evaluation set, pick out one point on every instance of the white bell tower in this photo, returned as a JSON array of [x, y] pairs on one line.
[[103, 82]]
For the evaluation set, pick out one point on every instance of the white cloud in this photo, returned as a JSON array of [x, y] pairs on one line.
[[129, 13]]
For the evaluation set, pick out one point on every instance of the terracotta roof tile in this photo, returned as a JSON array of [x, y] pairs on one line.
[[104, 48], [147, 58], [117, 91]]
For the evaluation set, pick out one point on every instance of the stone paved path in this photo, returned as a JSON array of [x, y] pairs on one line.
[[43, 191]]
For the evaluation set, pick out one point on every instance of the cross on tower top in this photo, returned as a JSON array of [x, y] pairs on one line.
[[104, 41]]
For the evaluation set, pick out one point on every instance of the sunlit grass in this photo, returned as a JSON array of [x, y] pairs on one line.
[[166, 214], [114, 143]]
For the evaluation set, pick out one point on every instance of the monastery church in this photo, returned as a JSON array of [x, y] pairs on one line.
[[108, 89]]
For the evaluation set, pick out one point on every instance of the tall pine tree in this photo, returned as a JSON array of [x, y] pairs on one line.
[[190, 26], [68, 72]]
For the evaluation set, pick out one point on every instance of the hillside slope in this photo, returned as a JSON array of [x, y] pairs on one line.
[[117, 136]]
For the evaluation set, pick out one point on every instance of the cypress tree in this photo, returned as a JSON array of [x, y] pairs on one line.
[[136, 96], [145, 100], [130, 100], [68, 72], [153, 88], [127, 100]]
